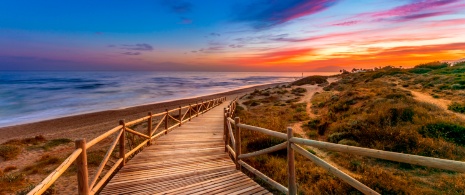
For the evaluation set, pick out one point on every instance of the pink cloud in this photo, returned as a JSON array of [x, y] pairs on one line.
[[348, 23]]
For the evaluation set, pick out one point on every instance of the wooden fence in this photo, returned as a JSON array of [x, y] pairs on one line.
[[232, 135], [129, 142]]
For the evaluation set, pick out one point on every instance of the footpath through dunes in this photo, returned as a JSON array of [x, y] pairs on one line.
[[189, 160]]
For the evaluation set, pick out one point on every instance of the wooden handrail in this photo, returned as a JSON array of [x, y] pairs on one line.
[[103, 136], [158, 125], [137, 133], [48, 181], [265, 178], [173, 118], [263, 130], [231, 134], [348, 179], [107, 176], [136, 121], [386, 155], [79, 154], [105, 159], [275, 148]]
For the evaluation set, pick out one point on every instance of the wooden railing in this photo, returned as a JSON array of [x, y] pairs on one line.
[[129, 142], [232, 138]]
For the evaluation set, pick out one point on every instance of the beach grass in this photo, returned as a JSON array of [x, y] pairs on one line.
[[374, 109]]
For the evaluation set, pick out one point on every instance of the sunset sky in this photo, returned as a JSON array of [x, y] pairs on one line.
[[235, 35]]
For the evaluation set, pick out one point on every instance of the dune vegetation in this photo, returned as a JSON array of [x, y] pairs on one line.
[[373, 109]]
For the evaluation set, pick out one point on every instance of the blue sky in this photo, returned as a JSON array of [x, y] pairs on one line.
[[239, 35]]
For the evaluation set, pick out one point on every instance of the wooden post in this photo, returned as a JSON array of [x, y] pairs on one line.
[[82, 171], [180, 116], [149, 129], [226, 133], [238, 151], [198, 109], [290, 164], [122, 141], [166, 122], [190, 112]]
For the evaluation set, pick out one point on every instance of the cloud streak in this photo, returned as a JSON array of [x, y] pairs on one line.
[[417, 9], [138, 47], [178, 6], [266, 13]]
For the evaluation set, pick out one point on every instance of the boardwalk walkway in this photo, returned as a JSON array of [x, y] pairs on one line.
[[189, 160]]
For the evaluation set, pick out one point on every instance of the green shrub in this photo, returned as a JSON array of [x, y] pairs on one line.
[[298, 90], [420, 70], [313, 123], [9, 152], [457, 107], [311, 80], [448, 131], [336, 137], [457, 87], [56, 142], [433, 65]]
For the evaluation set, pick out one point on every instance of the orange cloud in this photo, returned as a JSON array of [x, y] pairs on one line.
[[406, 56]]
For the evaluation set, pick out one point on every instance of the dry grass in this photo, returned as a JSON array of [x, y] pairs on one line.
[[367, 110], [9, 152]]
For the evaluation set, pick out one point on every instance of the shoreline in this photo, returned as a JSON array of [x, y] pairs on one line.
[[90, 125]]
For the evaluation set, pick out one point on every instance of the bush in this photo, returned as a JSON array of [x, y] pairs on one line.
[[9, 152], [448, 131], [420, 70], [298, 90], [56, 142], [433, 65], [313, 123], [457, 107], [337, 137], [311, 80], [457, 87]]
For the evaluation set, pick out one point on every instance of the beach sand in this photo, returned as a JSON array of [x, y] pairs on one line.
[[91, 125]]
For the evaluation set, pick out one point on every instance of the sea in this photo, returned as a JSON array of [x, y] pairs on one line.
[[31, 96]]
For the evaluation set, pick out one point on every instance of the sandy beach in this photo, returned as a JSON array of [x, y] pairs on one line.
[[91, 125]]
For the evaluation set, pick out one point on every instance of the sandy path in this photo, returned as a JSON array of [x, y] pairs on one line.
[[297, 127], [440, 103]]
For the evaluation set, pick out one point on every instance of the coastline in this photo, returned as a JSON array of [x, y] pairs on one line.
[[90, 125]]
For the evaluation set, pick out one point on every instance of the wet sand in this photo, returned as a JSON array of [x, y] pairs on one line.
[[91, 125]]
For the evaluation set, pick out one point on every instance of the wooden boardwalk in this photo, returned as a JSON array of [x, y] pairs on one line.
[[189, 160]]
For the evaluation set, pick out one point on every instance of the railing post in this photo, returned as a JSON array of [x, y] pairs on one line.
[[190, 112], [149, 129], [238, 151], [166, 121], [122, 140], [82, 171], [198, 109], [225, 136], [290, 164], [180, 116]]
